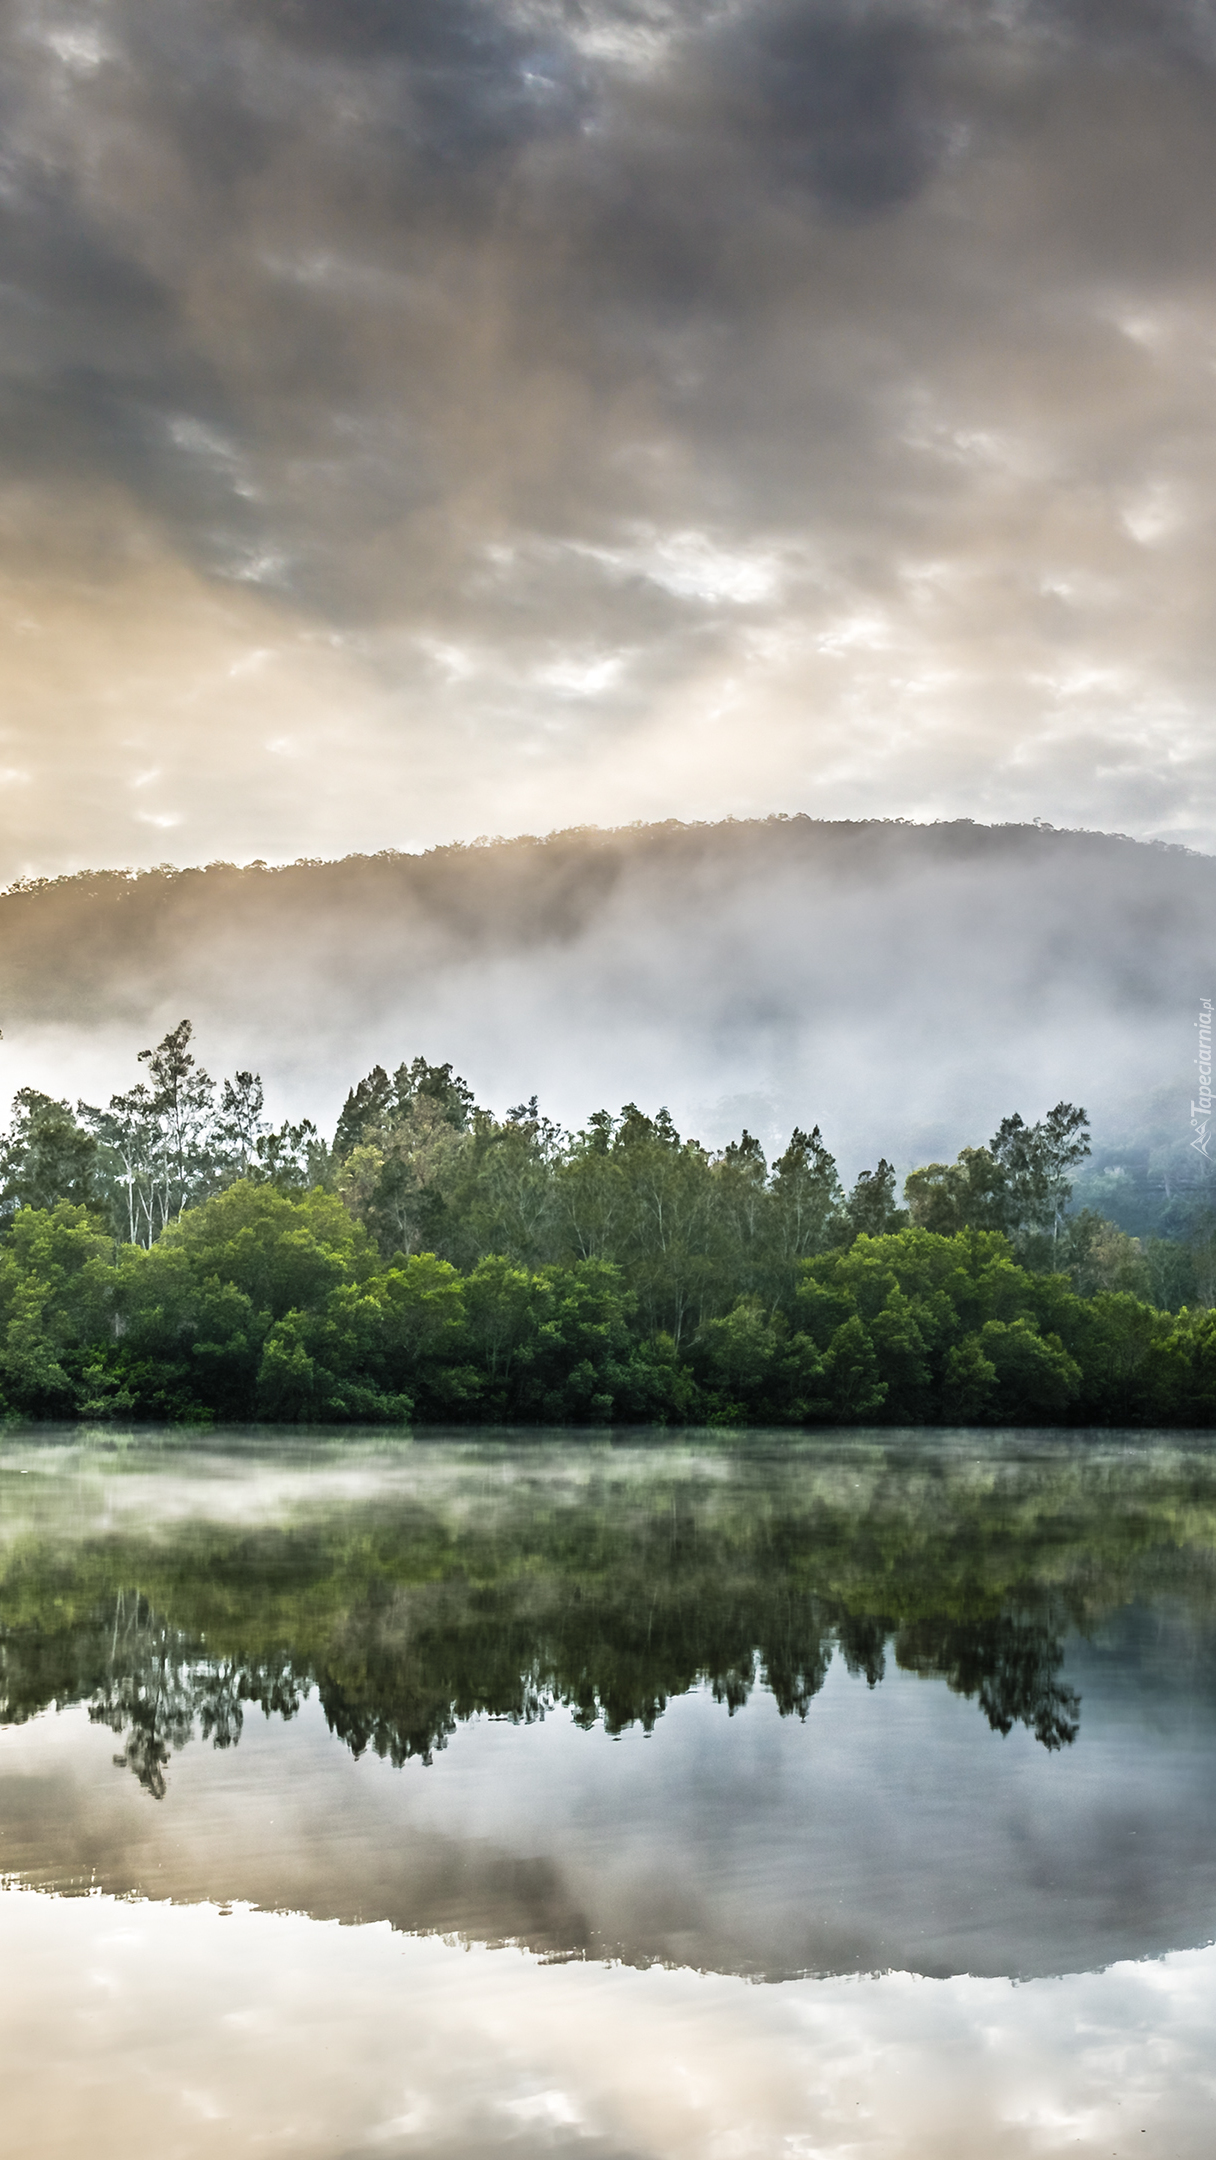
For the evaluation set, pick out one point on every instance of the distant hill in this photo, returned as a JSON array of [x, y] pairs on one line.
[[903, 985]]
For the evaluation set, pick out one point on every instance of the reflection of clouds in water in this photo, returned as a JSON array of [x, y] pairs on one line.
[[242, 2030], [892, 1831]]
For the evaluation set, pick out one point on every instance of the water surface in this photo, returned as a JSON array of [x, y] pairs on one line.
[[582, 1738]]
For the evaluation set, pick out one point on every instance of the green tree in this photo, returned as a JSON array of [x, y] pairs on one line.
[[240, 1124], [505, 1194], [750, 1366], [637, 1194], [284, 1251], [398, 1151], [1036, 1378], [183, 1103], [592, 1190], [968, 1194], [59, 1315], [45, 1156], [870, 1210], [1020, 1183], [377, 1103], [742, 1204], [1036, 1162], [807, 1200], [852, 1386]]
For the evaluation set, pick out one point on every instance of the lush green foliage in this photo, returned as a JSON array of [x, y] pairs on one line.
[[261, 1304], [172, 1257]]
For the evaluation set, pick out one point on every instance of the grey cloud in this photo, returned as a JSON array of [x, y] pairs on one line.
[[75, 275], [444, 82], [1171, 31], [842, 101]]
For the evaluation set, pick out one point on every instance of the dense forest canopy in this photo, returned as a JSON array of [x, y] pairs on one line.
[[174, 1255]]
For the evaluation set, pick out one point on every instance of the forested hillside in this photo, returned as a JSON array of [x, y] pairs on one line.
[[899, 985]]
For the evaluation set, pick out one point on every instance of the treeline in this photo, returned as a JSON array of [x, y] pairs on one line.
[[172, 1256]]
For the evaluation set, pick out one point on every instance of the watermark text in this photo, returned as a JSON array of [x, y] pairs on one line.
[[1201, 1111]]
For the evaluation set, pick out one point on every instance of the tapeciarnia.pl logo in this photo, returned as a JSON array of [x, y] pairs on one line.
[[1201, 1111]]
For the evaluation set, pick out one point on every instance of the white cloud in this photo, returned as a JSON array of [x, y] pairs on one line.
[[581, 675], [694, 565], [1154, 512], [80, 47]]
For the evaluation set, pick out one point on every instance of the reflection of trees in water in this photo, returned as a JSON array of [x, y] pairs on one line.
[[153, 1684], [148, 1692], [1009, 1665], [610, 1591], [157, 1691]]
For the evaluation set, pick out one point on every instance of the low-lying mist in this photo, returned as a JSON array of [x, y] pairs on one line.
[[902, 986]]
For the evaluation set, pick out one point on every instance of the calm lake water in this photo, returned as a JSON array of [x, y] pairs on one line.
[[852, 1795]]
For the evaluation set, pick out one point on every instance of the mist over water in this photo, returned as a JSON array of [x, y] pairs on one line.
[[902, 986]]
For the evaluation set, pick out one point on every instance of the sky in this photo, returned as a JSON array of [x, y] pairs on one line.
[[428, 418]]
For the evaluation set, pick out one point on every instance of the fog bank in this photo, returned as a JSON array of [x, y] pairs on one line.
[[903, 986]]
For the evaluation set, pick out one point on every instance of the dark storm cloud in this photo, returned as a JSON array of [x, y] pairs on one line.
[[111, 370], [1173, 31]]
